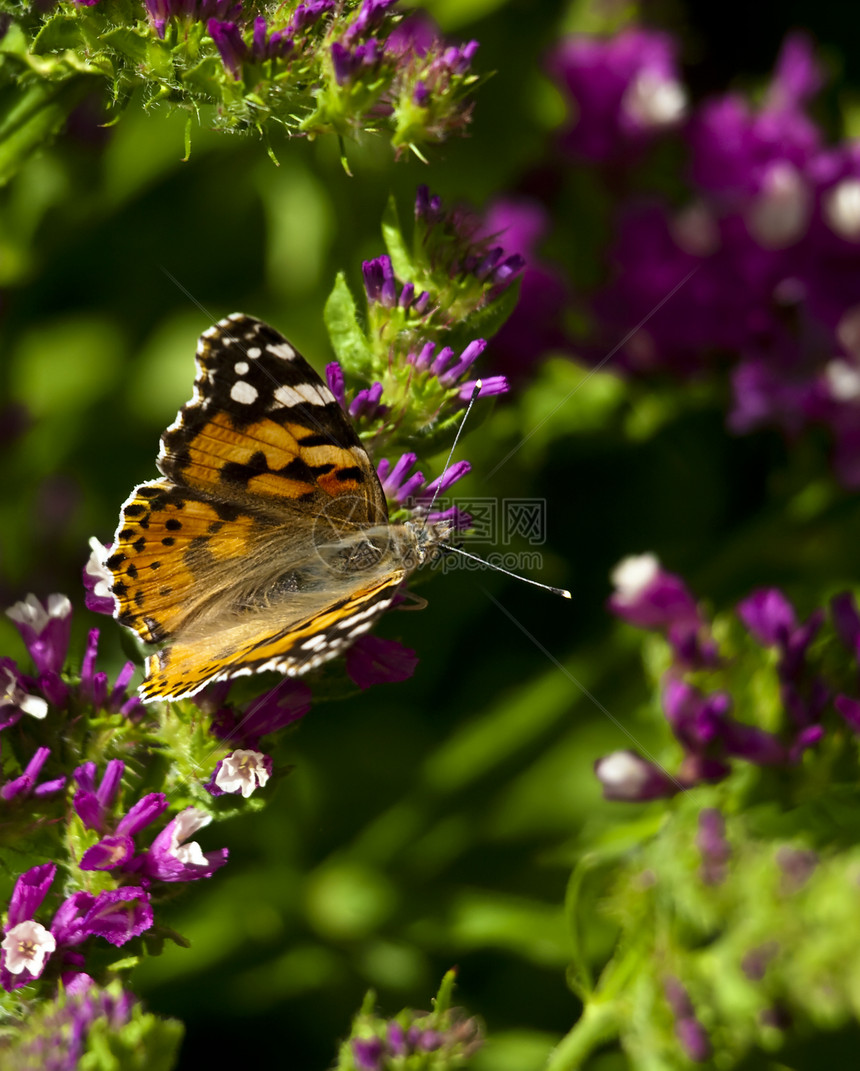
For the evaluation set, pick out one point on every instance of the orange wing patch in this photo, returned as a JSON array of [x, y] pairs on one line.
[[166, 540]]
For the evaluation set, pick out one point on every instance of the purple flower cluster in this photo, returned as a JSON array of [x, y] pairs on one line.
[[702, 722], [235, 51], [754, 271], [45, 629], [392, 1042], [185, 12], [117, 914], [56, 1037], [457, 243], [623, 90]]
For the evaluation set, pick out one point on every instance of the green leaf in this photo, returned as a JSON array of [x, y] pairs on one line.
[[401, 261], [347, 338], [486, 321], [58, 34], [129, 43], [30, 118]]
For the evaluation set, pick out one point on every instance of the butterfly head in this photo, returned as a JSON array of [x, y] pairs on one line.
[[428, 538]]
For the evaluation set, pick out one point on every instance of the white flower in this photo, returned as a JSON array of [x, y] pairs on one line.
[[631, 576], [623, 774], [243, 771], [654, 100], [97, 569], [32, 613], [27, 946], [12, 694], [843, 380], [842, 208], [780, 213], [182, 827]]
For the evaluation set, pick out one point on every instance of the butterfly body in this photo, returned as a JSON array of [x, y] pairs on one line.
[[266, 543]]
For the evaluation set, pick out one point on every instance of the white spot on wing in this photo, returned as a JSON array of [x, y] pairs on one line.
[[281, 349], [243, 392], [241, 367], [254, 352]]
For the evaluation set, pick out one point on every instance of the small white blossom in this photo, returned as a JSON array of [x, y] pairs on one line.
[[842, 208], [32, 613], [780, 213], [27, 946], [843, 380], [97, 569], [243, 771], [13, 695], [654, 100], [631, 576]]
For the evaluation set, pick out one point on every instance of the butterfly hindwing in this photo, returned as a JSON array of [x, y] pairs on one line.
[[188, 665]]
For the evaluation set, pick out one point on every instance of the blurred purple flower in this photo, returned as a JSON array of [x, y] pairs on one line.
[[374, 660], [187, 11], [624, 89], [711, 842]]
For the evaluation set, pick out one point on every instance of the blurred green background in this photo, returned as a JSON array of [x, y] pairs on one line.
[[434, 822]]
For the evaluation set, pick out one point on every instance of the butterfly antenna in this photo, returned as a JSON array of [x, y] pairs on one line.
[[448, 549], [476, 390]]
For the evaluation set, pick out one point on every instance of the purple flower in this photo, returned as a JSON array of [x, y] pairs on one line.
[[648, 597], [235, 51], [379, 282], [367, 1053], [306, 14], [92, 803], [711, 842], [367, 404], [769, 616], [45, 630], [173, 857], [348, 63], [624, 89], [117, 915], [627, 777], [108, 854], [25, 784], [373, 660], [27, 945], [95, 688], [56, 1036], [689, 1031], [286, 703], [797, 866], [187, 11], [335, 380]]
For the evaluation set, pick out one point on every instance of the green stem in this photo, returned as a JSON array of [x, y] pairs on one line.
[[598, 1023], [30, 116]]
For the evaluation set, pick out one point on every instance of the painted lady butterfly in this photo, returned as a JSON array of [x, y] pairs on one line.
[[267, 544]]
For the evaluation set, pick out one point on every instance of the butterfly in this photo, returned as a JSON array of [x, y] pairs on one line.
[[266, 544]]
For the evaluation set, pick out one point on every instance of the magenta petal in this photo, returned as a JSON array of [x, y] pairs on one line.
[[29, 892], [373, 660], [119, 914]]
